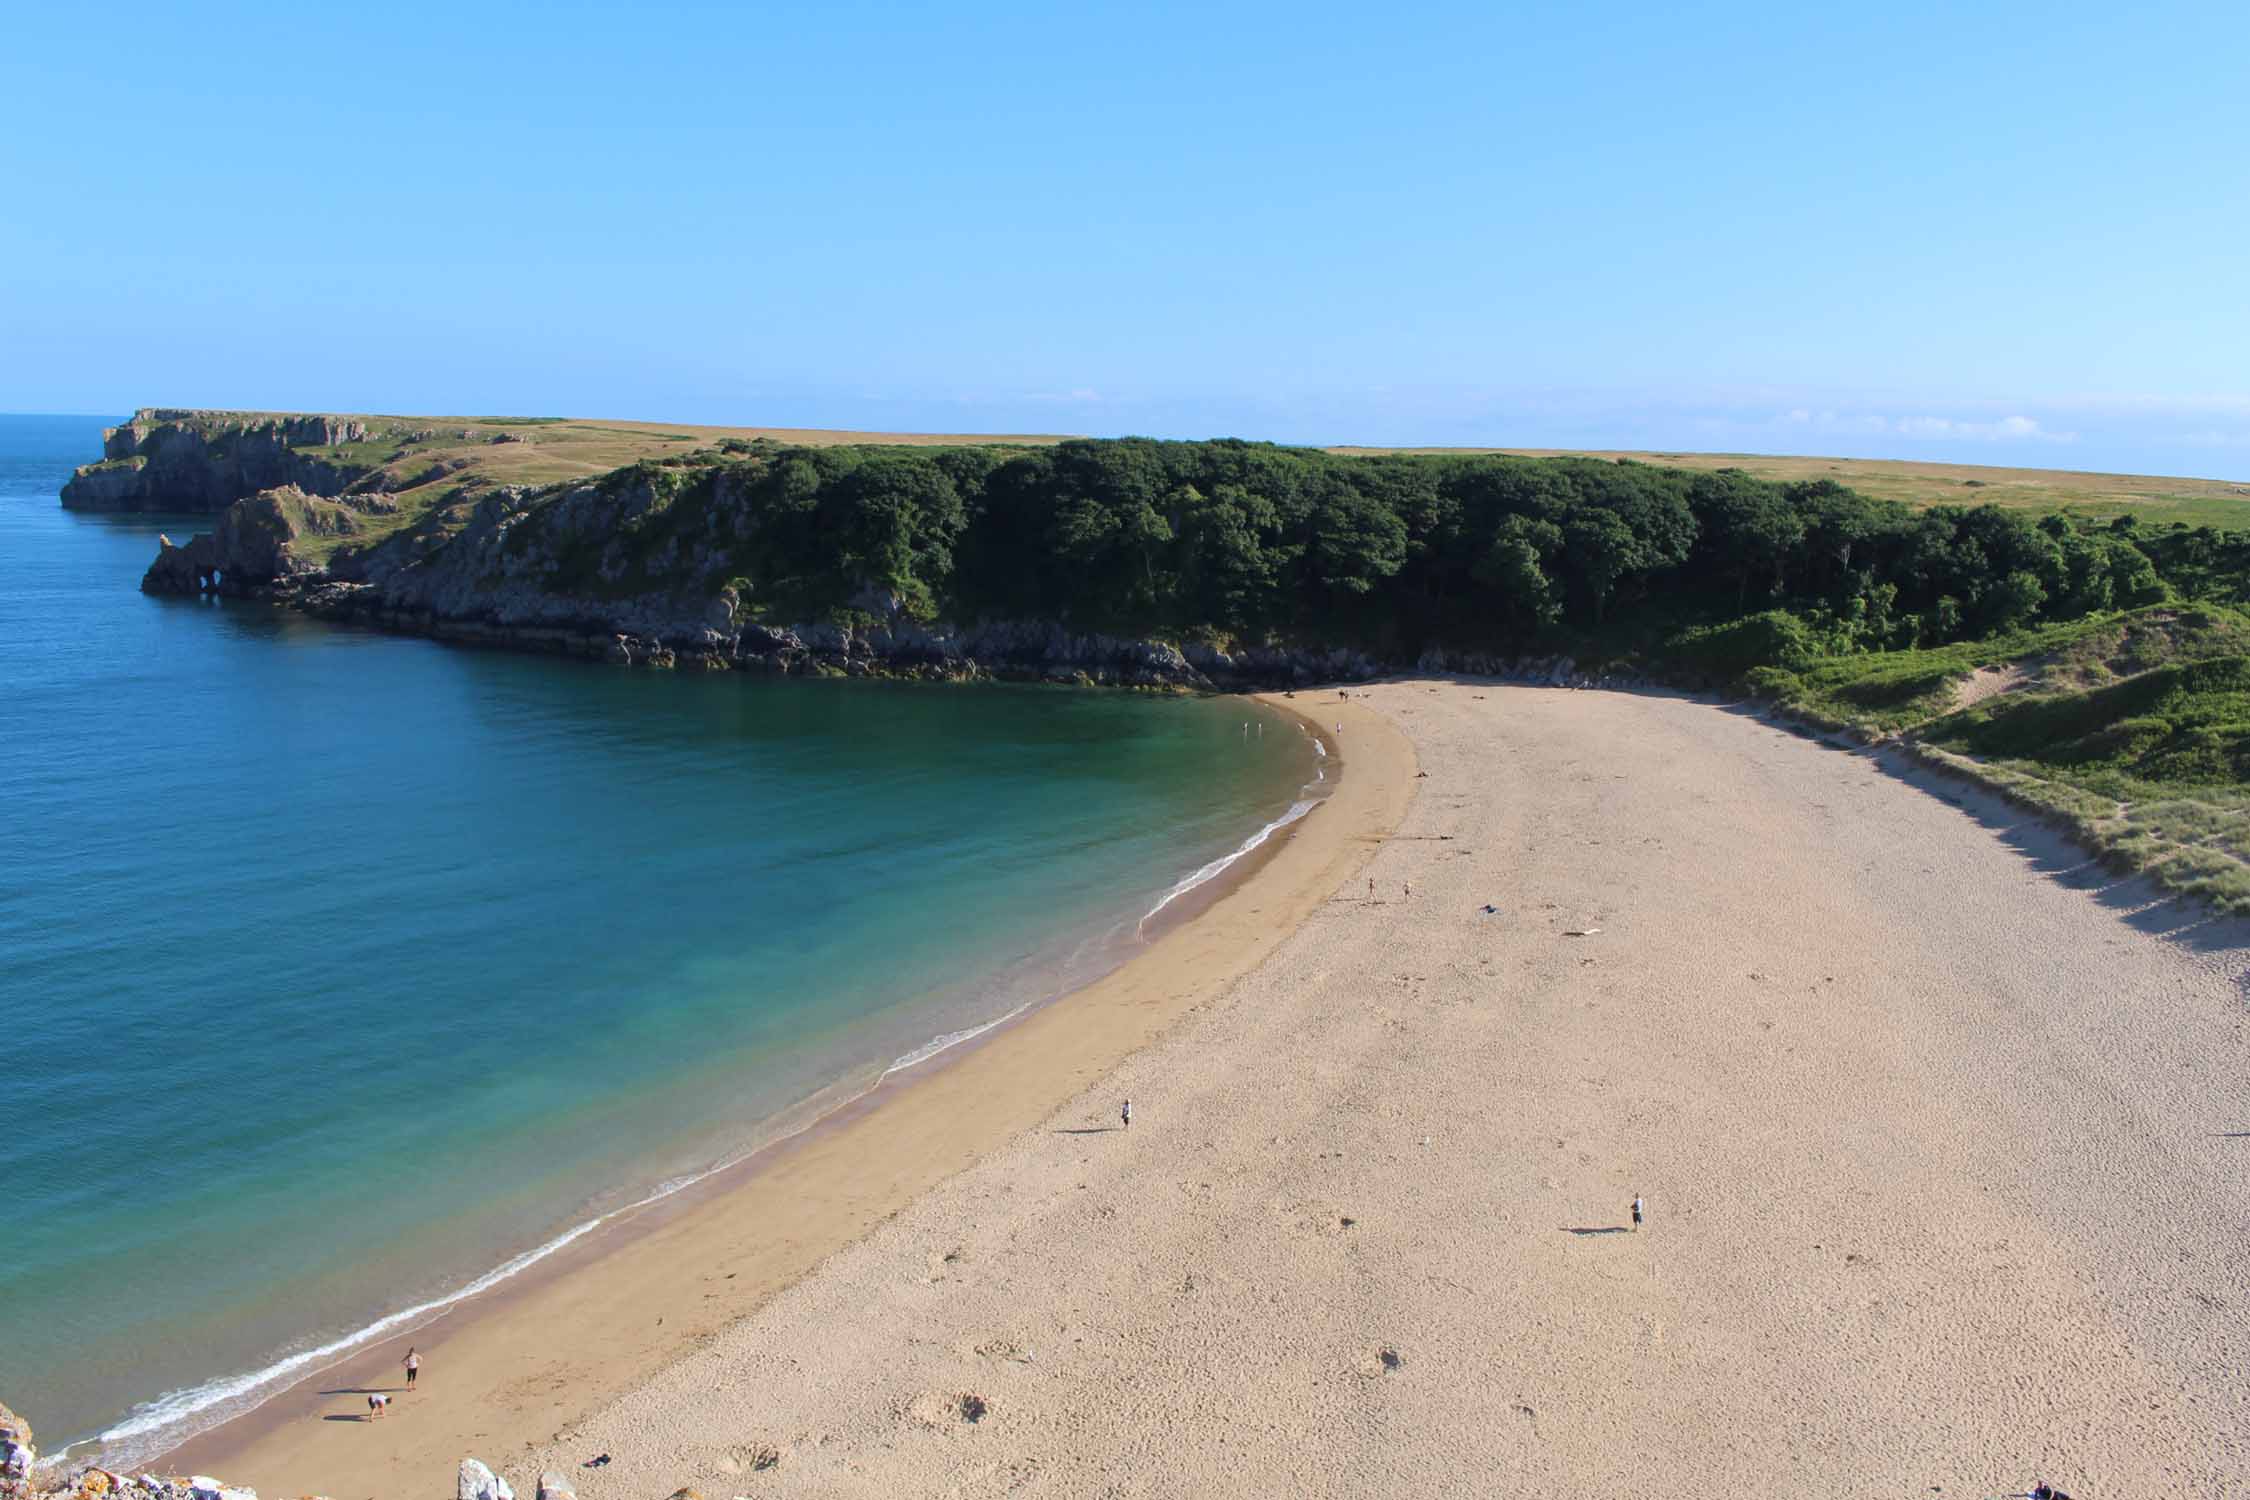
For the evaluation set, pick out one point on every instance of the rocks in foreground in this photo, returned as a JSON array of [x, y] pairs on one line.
[[107, 1484], [21, 1479], [17, 1456], [477, 1482]]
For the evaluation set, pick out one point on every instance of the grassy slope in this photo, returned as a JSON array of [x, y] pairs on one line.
[[2132, 729], [542, 450]]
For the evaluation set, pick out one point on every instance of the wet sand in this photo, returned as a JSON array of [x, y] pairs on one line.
[[1944, 1136]]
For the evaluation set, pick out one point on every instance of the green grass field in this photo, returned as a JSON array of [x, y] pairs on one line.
[[2194, 502]]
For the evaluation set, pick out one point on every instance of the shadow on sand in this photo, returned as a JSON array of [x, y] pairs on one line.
[[2140, 902]]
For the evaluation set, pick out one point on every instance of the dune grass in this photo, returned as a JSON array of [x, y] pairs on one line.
[[2132, 730]]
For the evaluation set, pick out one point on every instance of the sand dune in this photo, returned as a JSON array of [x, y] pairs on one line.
[[1945, 1140]]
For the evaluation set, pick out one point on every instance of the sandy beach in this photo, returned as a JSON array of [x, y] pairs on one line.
[[1944, 1136]]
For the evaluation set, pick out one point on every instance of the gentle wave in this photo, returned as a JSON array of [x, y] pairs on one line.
[[1218, 866], [952, 1039], [157, 1426], [177, 1416]]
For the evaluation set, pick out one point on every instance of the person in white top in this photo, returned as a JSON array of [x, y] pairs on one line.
[[1637, 1210], [413, 1364]]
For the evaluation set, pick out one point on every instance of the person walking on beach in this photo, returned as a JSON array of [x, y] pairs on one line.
[[1126, 1114], [413, 1364], [1637, 1209]]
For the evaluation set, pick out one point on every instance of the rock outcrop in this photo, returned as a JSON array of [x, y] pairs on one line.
[[166, 460], [478, 1482], [500, 581], [252, 547], [22, 1479], [18, 1458], [639, 568]]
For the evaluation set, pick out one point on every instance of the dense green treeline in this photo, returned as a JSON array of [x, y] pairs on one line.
[[2097, 670], [1255, 542]]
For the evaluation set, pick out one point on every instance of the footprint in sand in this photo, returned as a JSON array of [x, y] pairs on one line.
[[754, 1458], [942, 1411], [1384, 1361], [1007, 1349]]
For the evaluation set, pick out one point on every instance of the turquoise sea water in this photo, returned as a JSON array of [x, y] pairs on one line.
[[339, 969]]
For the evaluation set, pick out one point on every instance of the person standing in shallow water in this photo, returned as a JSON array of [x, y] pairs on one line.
[[413, 1364], [1126, 1114]]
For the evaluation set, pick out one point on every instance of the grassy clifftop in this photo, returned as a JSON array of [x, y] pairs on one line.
[[421, 462], [400, 470], [2152, 497]]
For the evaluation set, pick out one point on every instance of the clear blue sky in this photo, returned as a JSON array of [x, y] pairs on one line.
[[1987, 233]]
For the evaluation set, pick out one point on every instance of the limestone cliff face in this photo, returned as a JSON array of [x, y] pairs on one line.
[[168, 460], [598, 570], [610, 571], [602, 569]]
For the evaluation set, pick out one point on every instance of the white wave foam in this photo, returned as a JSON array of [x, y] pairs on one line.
[[1216, 867], [155, 1427], [952, 1039], [215, 1399]]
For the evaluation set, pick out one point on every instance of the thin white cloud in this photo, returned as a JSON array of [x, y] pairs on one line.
[[2012, 429]]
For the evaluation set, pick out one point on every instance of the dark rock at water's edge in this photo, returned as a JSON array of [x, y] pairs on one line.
[[166, 460]]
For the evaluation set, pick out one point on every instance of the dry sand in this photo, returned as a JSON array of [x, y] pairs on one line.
[[1944, 1137]]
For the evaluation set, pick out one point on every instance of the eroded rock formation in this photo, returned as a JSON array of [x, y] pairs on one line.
[[251, 548], [167, 460]]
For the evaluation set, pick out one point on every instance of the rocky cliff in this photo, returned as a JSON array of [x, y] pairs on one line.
[[572, 570], [253, 548], [650, 566], [167, 460]]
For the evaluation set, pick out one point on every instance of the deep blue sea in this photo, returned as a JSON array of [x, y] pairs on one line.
[[341, 971]]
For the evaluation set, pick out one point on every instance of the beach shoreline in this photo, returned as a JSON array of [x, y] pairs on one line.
[[846, 1170], [1936, 1123]]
